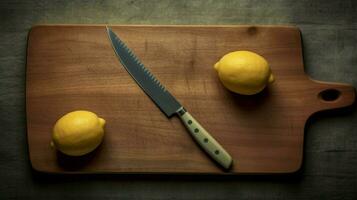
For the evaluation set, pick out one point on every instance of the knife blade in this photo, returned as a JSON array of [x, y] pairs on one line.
[[167, 103]]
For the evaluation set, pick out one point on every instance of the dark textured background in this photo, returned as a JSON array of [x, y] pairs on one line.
[[329, 30]]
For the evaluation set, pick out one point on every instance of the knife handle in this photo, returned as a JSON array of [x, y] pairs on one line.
[[205, 140]]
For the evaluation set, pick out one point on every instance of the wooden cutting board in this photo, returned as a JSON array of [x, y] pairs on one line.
[[71, 67]]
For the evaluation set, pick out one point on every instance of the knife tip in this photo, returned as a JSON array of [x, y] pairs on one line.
[[108, 28]]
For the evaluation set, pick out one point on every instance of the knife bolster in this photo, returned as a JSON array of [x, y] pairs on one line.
[[181, 111]]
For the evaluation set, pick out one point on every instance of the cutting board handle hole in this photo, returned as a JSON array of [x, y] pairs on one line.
[[329, 95]]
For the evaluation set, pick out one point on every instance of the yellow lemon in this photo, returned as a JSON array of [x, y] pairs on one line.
[[78, 133], [244, 72]]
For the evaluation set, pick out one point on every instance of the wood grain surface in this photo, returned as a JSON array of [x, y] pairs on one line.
[[74, 67]]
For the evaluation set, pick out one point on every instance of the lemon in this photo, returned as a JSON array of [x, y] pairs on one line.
[[244, 72], [78, 133]]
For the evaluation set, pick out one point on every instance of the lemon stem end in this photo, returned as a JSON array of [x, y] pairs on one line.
[[271, 78], [216, 66], [102, 121]]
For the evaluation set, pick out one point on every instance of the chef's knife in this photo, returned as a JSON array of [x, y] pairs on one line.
[[165, 101]]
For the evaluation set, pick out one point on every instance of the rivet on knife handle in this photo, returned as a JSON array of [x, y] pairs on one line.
[[205, 140]]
